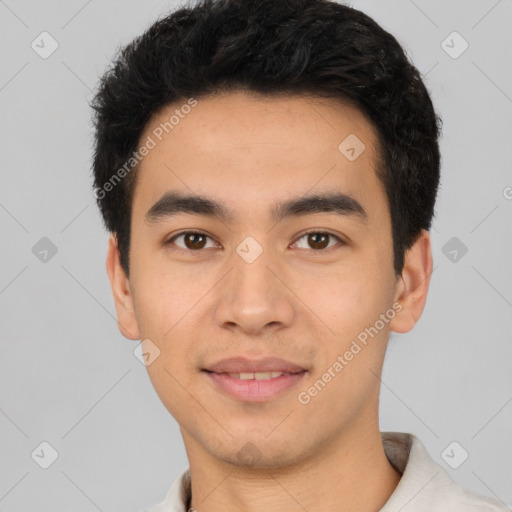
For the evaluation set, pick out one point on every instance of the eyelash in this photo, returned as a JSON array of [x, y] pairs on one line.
[[315, 231]]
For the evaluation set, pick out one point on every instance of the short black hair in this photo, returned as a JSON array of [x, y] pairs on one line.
[[272, 47]]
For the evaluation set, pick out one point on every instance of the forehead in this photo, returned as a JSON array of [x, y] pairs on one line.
[[249, 150]]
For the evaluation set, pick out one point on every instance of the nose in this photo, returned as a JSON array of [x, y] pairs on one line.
[[254, 298]]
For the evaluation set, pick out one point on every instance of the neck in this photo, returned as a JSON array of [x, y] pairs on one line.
[[352, 473]]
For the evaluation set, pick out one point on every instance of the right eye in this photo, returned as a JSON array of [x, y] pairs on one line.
[[193, 241]]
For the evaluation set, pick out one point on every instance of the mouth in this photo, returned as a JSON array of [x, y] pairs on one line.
[[254, 386], [254, 375], [259, 368]]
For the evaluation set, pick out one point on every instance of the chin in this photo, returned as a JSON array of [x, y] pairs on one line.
[[258, 453]]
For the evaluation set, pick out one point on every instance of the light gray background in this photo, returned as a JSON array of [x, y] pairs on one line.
[[68, 377]]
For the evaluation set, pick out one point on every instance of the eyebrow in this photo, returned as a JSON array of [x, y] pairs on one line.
[[173, 203]]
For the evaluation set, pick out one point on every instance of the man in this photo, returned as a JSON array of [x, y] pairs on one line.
[[268, 171]]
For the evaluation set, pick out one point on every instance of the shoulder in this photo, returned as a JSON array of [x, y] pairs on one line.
[[176, 497], [460, 499], [425, 485]]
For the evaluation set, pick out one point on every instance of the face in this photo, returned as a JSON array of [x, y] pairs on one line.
[[286, 254]]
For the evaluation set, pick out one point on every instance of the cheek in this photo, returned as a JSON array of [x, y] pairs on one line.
[[347, 300], [164, 294], [154, 303]]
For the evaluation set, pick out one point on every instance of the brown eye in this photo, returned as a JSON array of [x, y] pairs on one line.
[[195, 241], [318, 240], [192, 241]]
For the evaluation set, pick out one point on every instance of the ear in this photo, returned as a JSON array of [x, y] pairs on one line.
[[412, 285], [120, 285]]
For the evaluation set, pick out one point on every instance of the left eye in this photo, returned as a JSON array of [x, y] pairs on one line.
[[318, 240]]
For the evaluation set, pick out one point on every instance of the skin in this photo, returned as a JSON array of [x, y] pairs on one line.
[[294, 301]]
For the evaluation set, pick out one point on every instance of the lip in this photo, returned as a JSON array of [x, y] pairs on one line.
[[253, 390], [244, 365]]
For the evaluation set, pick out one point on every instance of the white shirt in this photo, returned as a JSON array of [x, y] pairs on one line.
[[425, 486]]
